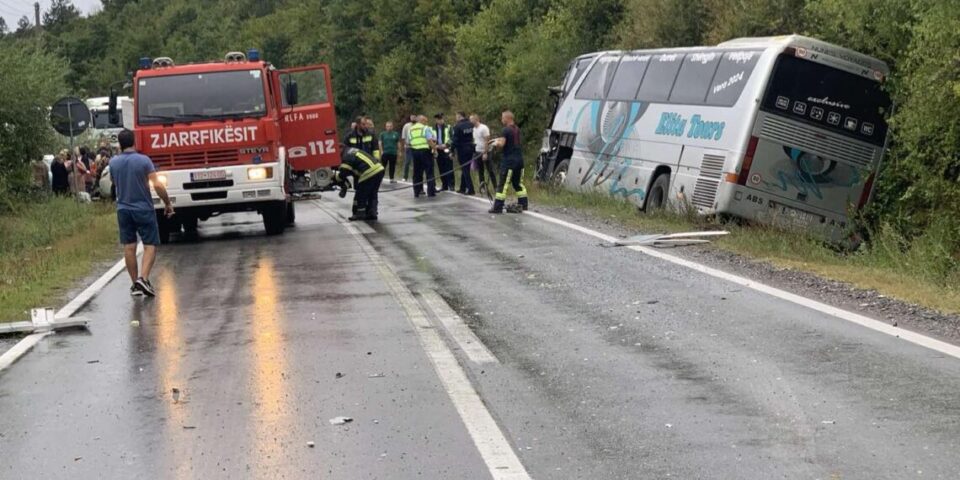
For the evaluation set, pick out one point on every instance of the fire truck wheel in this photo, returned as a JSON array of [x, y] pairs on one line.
[[275, 218], [163, 228], [190, 224], [291, 214]]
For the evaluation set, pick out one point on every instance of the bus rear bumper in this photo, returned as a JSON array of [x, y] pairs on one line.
[[763, 208]]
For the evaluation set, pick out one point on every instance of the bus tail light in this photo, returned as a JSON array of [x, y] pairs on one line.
[[865, 194], [747, 161]]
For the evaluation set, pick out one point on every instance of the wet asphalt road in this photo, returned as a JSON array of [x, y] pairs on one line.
[[610, 365]]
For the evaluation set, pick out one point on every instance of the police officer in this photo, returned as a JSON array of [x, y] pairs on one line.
[[511, 167], [463, 144], [367, 175], [422, 141], [444, 163]]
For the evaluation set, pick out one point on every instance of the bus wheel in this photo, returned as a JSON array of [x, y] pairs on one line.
[[560, 174], [657, 197], [275, 218]]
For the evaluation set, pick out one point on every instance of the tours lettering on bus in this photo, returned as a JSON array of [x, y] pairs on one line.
[[675, 125]]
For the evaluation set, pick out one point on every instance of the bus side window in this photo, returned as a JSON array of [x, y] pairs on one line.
[[694, 78], [660, 76], [628, 77], [598, 80], [731, 77]]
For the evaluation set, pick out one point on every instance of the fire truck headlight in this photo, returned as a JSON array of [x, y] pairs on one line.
[[161, 179], [258, 173]]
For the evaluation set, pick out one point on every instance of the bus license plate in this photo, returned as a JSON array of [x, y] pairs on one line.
[[799, 217], [208, 175]]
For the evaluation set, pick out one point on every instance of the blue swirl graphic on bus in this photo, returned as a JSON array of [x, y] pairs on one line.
[[811, 172], [602, 128]]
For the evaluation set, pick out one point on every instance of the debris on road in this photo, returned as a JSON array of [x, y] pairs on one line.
[[667, 240], [189, 427], [376, 375], [338, 375], [93, 361], [311, 444], [340, 420], [176, 395], [829, 422], [135, 323]]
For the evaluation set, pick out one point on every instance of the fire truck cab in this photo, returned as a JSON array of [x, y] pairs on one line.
[[235, 135]]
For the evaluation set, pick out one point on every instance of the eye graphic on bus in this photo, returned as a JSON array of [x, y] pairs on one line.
[[814, 167]]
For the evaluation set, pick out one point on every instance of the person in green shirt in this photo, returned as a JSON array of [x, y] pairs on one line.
[[389, 138]]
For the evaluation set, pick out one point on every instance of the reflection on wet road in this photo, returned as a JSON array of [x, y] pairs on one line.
[[604, 365]]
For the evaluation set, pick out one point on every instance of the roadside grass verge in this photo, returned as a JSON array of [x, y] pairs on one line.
[[921, 271], [45, 247]]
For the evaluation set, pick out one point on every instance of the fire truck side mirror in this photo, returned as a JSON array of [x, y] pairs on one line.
[[292, 92], [112, 109]]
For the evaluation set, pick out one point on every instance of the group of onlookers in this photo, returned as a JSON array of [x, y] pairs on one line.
[[79, 171]]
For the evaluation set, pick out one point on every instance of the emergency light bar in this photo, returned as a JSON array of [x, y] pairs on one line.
[[253, 55], [145, 63]]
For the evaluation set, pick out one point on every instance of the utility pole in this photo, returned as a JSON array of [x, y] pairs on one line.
[[36, 12]]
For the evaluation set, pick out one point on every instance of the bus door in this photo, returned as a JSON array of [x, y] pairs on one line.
[[308, 123]]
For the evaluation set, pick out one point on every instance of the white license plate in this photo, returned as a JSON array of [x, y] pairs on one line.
[[798, 217], [208, 175]]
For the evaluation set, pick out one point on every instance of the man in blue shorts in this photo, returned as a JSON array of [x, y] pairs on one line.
[[132, 174]]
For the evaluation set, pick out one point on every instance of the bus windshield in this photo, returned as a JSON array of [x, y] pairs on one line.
[[101, 119], [200, 96], [828, 98]]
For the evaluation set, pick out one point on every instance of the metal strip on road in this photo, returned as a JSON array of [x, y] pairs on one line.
[[497, 454], [864, 321], [475, 350], [28, 342]]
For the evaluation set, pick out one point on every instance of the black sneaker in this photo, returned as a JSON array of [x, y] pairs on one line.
[[135, 290], [146, 288]]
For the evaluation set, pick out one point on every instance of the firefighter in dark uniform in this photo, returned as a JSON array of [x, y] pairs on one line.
[[367, 175], [444, 163], [361, 137], [463, 144], [511, 167]]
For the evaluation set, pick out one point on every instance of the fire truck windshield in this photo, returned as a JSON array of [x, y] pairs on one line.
[[200, 96]]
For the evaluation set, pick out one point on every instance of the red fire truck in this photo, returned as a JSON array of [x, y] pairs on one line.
[[233, 136]]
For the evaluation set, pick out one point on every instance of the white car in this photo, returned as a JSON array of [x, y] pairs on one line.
[[106, 185]]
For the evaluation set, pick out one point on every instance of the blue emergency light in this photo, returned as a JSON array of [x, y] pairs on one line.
[[145, 63], [253, 55]]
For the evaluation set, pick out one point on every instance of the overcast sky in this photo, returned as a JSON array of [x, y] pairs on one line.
[[12, 10]]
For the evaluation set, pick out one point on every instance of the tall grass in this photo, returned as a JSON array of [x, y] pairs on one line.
[[48, 245]]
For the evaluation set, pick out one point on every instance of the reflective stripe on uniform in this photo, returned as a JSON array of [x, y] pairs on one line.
[[502, 194], [373, 167]]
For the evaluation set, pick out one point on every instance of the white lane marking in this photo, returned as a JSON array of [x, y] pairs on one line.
[[21, 348], [476, 351], [28, 342], [864, 321], [494, 448]]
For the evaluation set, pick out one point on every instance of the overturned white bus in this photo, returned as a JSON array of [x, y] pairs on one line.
[[783, 130]]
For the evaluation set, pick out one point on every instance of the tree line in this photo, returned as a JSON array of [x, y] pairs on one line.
[[392, 57]]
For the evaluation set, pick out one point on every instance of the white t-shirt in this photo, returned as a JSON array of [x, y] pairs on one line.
[[405, 133], [481, 134]]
